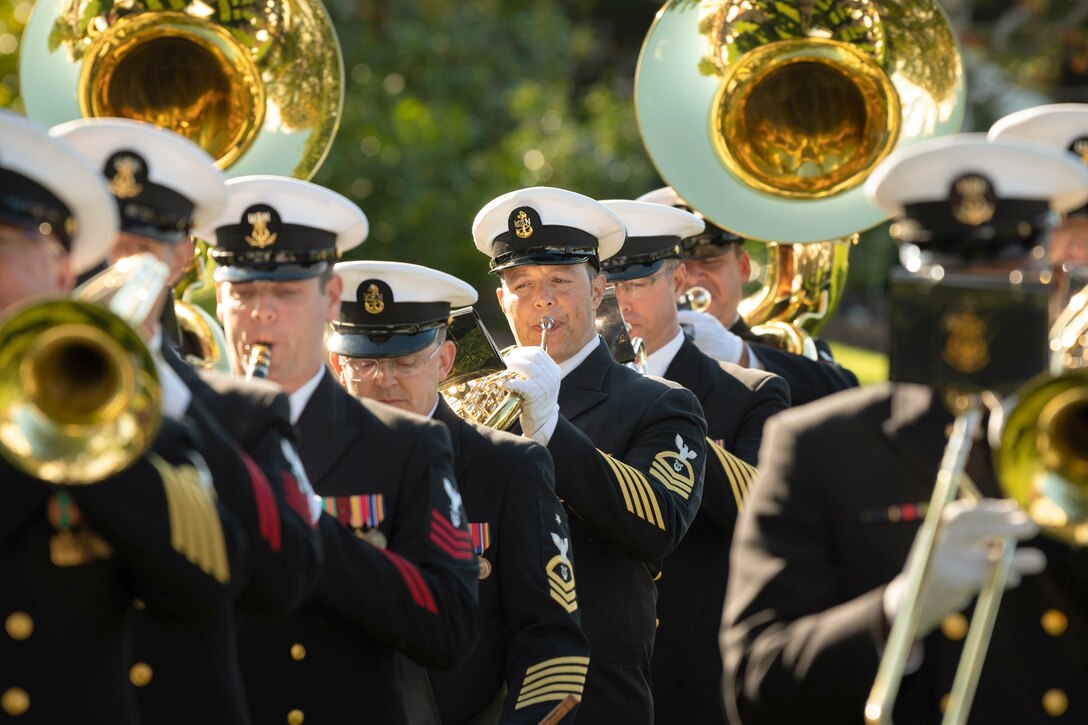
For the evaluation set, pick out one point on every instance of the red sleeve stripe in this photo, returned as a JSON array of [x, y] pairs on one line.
[[295, 498], [455, 542], [421, 593], [268, 515]]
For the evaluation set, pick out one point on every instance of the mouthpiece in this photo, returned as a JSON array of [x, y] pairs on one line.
[[546, 324]]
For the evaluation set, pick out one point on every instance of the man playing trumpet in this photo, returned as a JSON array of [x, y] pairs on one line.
[[629, 451]]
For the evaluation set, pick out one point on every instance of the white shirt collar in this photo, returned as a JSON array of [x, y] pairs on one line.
[[659, 360], [579, 357], [301, 397], [434, 407], [175, 394]]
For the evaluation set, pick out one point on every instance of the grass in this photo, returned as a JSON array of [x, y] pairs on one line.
[[870, 367]]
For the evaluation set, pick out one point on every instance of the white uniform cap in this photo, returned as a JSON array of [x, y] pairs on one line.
[[1017, 169], [654, 219], [165, 184], [713, 241], [665, 195], [654, 234], [44, 181], [275, 227], [961, 189], [544, 225], [389, 309], [1064, 125]]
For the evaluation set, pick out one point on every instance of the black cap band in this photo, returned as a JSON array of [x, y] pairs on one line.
[[262, 239], [527, 240], [376, 309], [546, 255], [27, 204], [933, 227], [147, 209]]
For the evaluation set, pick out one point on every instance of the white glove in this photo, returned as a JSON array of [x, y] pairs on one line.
[[963, 559], [539, 391], [711, 336]]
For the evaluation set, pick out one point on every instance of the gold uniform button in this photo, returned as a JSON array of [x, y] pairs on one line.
[[139, 604], [15, 701], [298, 652], [19, 625], [1054, 622], [1055, 702], [140, 674], [295, 717], [954, 627], [944, 701]]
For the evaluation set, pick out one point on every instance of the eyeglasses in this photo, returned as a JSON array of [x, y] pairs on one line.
[[365, 368], [639, 287]]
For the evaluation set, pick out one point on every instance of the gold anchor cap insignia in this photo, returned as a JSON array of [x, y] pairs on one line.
[[522, 226], [123, 184], [373, 302], [972, 199], [260, 236]]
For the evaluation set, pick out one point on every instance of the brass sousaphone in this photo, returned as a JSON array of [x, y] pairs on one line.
[[767, 115], [257, 85]]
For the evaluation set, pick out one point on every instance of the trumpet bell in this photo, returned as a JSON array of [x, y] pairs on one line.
[[766, 117], [483, 400], [79, 397], [258, 86], [1043, 459]]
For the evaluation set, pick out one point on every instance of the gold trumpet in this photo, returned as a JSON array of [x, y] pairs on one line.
[[483, 399], [258, 85], [79, 393], [696, 299], [258, 361]]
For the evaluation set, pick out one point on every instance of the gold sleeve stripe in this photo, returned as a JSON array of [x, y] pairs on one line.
[[739, 473], [638, 496], [195, 529], [552, 680], [670, 480], [571, 660], [630, 495]]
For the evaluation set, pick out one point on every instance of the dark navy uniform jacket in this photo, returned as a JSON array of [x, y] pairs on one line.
[[410, 589], [629, 454], [687, 666], [66, 638], [808, 379], [242, 430], [531, 640], [829, 524]]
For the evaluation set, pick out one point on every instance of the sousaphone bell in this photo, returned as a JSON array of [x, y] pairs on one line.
[[257, 85], [768, 116]]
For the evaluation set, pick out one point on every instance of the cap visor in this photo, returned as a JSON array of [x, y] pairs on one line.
[[544, 258], [380, 344], [276, 272], [632, 271]]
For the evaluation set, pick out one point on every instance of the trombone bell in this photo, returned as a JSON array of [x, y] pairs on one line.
[[1043, 459]]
